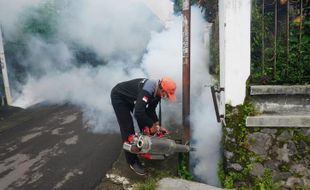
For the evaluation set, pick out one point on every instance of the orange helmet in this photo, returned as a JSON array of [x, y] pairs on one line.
[[169, 86]]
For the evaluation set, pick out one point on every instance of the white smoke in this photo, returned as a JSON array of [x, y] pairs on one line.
[[127, 35], [115, 30], [164, 57], [206, 133], [10, 12], [207, 139]]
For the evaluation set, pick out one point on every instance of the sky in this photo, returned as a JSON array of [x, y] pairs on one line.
[[134, 42]]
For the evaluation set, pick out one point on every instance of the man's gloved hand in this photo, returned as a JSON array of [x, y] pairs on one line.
[[163, 130], [156, 127]]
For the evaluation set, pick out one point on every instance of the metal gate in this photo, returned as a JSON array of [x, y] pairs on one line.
[[280, 42]]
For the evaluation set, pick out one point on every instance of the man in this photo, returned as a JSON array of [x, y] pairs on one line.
[[140, 97]]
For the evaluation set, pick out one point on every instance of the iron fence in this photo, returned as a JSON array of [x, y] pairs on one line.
[[280, 42]]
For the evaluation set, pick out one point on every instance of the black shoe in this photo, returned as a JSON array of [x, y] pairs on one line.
[[137, 168]]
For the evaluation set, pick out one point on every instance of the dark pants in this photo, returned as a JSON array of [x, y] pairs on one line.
[[123, 112]]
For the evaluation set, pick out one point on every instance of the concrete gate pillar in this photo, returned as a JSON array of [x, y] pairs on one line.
[[235, 50]]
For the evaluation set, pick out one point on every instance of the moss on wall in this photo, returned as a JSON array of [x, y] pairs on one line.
[[263, 158]]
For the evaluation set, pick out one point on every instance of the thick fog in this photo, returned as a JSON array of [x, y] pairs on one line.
[[129, 41]]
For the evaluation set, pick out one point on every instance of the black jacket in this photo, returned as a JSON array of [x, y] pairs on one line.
[[141, 98]]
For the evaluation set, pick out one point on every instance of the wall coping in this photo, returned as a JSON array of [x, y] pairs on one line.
[[280, 89], [294, 121]]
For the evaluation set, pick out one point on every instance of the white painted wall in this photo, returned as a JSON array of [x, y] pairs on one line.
[[4, 72], [235, 57]]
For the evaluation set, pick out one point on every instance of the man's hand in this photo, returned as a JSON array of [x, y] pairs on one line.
[[163, 130], [156, 127]]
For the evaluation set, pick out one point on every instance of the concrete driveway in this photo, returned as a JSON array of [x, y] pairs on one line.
[[49, 147]]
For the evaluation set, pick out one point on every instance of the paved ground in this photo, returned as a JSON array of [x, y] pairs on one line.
[[50, 148], [121, 177]]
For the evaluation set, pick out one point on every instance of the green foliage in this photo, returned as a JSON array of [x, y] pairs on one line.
[[230, 178], [284, 167], [256, 42], [272, 61], [299, 52], [229, 182], [221, 171], [235, 129], [178, 6], [214, 50], [183, 170], [235, 119], [303, 145], [151, 182], [265, 182]]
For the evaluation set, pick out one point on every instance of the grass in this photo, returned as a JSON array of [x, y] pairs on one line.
[[151, 182]]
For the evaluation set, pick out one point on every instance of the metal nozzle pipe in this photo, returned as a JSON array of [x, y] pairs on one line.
[[181, 148]]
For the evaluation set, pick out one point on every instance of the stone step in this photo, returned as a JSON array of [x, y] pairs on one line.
[[181, 184], [282, 108], [278, 121], [280, 90], [281, 100]]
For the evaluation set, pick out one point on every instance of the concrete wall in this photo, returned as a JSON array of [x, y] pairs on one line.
[[235, 20], [283, 151], [275, 141]]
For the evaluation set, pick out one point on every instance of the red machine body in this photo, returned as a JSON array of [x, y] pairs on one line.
[[155, 147]]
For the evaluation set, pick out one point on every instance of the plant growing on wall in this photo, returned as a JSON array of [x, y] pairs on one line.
[[279, 43]]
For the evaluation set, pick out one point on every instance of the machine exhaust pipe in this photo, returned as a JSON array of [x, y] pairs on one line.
[[156, 147]]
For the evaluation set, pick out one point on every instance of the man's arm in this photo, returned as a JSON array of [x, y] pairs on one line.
[[140, 113], [151, 110]]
